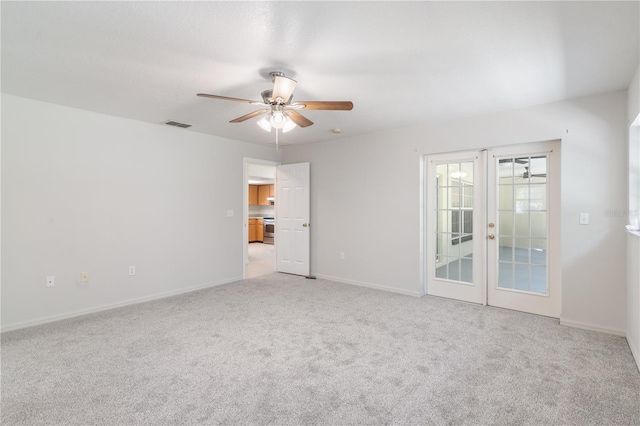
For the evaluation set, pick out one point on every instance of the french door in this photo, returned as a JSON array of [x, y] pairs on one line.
[[492, 228], [455, 215]]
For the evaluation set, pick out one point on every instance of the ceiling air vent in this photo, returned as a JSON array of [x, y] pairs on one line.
[[176, 124]]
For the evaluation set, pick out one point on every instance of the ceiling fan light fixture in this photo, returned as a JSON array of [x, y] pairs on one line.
[[288, 125], [278, 120], [264, 124]]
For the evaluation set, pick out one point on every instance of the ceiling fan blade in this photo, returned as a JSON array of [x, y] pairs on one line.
[[324, 105], [248, 116], [283, 88], [226, 98], [299, 119]]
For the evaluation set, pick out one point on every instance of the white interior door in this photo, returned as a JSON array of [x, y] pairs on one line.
[[292, 219], [455, 215], [492, 227]]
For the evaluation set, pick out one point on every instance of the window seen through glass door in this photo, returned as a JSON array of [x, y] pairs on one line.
[[454, 221], [522, 224]]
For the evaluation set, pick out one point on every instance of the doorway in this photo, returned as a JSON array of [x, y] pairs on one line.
[[492, 227], [259, 213]]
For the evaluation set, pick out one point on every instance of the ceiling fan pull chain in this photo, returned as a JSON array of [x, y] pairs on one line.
[[276, 139]]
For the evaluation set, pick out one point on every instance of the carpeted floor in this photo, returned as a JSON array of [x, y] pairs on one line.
[[280, 349]]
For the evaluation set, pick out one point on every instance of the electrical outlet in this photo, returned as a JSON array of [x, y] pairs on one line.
[[51, 281], [132, 270], [341, 255], [84, 277]]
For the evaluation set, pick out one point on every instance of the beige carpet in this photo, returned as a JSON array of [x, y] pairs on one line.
[[284, 350]]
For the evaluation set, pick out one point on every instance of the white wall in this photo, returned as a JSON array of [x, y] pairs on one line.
[[633, 240], [633, 100], [88, 192], [366, 199]]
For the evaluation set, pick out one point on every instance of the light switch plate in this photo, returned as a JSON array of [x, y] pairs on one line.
[[584, 218]]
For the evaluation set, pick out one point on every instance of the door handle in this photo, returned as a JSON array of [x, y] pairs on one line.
[[491, 237], [304, 225], [491, 225]]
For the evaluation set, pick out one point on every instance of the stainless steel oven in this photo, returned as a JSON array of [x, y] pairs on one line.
[[269, 230]]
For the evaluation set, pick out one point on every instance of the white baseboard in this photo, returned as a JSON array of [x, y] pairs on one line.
[[369, 285], [80, 312], [593, 327]]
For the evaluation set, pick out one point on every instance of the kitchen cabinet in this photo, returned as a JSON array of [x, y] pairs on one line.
[[258, 195], [256, 230], [263, 193], [253, 195], [260, 230], [253, 232]]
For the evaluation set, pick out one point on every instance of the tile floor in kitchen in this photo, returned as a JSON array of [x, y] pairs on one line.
[[262, 259]]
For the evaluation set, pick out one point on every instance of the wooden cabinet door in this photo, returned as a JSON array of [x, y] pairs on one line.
[[253, 195], [263, 193], [260, 230], [253, 234], [271, 190]]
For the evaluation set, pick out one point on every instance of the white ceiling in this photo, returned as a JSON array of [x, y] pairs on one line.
[[401, 63]]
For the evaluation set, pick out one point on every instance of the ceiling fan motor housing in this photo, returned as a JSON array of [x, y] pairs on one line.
[[267, 96], [275, 74]]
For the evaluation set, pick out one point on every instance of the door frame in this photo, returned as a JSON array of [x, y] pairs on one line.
[[245, 206], [554, 222]]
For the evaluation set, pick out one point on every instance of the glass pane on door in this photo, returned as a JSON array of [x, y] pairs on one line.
[[454, 221], [522, 223]]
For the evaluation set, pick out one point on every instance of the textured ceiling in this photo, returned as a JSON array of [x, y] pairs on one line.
[[401, 63]]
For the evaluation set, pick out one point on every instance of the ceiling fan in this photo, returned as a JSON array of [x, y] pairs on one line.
[[527, 174], [522, 161], [281, 112]]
